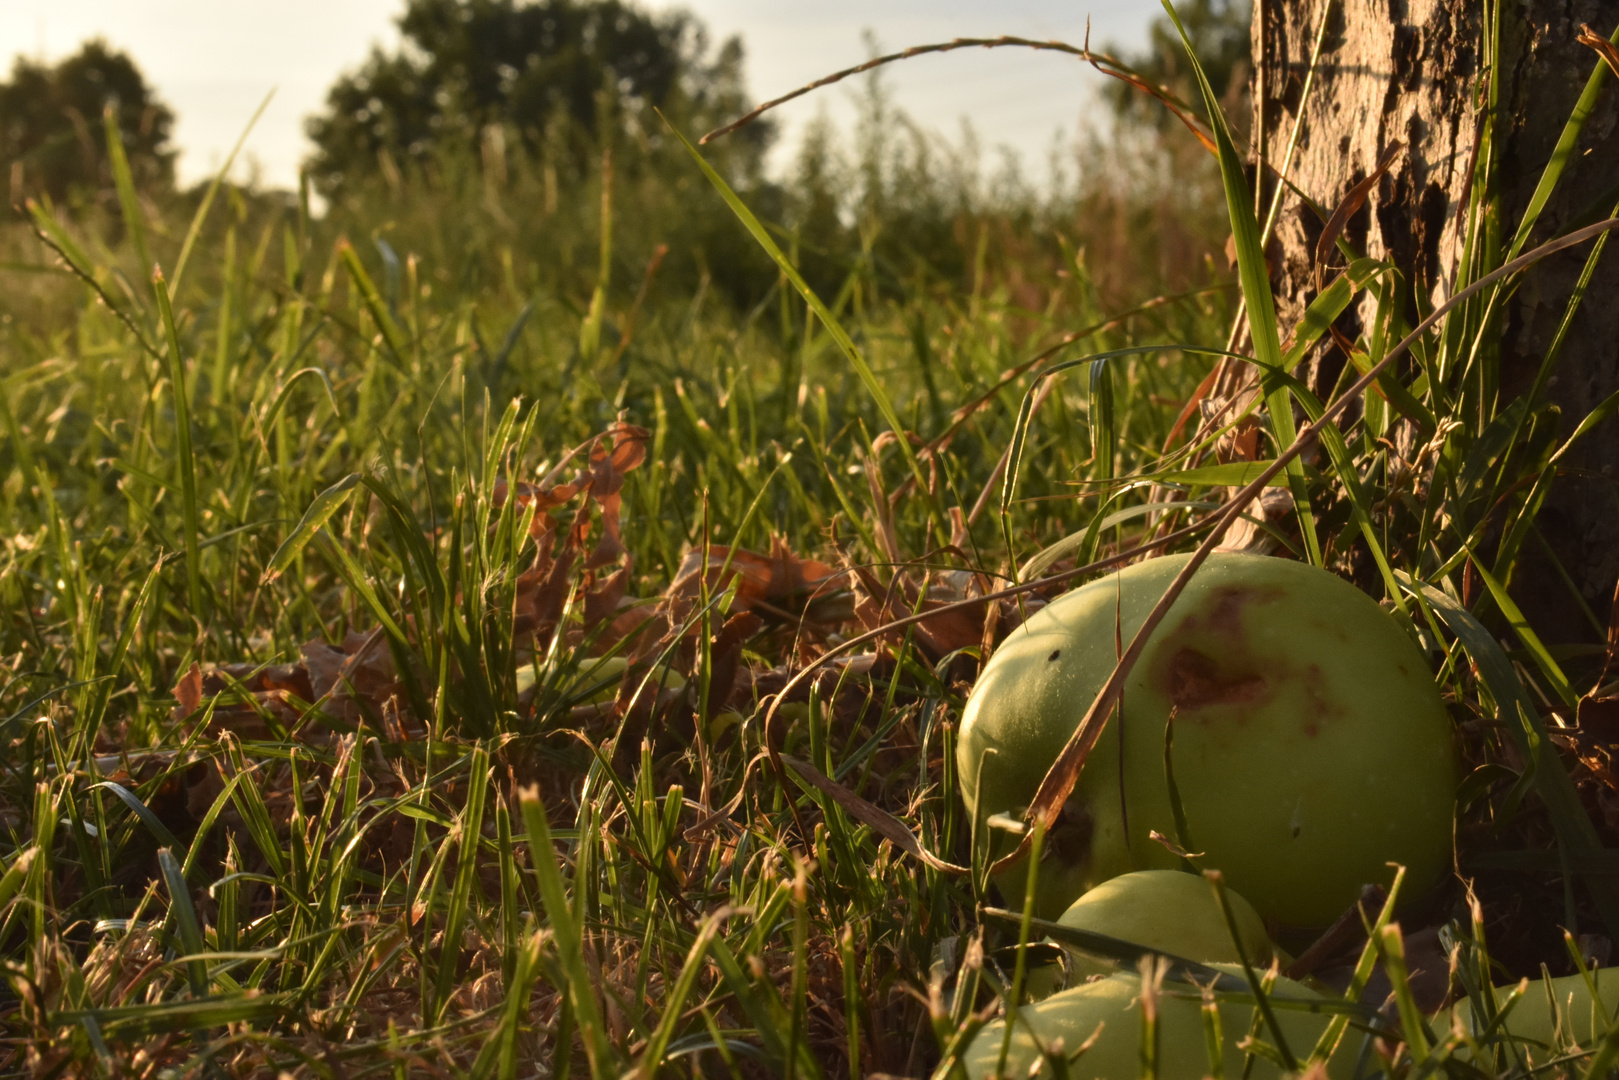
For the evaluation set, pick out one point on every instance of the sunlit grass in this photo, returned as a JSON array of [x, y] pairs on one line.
[[314, 761]]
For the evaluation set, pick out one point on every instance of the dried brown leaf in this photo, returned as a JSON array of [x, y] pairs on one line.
[[188, 692], [953, 627], [725, 657], [1602, 45], [603, 599], [779, 576]]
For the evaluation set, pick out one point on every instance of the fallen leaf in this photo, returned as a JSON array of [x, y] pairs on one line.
[[188, 692], [769, 579], [603, 600], [876, 605], [725, 657]]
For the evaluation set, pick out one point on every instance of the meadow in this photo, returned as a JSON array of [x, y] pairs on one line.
[[395, 597]]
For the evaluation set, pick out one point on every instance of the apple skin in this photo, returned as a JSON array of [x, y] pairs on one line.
[[1578, 1018], [1173, 912], [1113, 1002], [1311, 748]]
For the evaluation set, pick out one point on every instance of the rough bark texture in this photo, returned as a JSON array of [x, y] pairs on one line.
[[1407, 70]]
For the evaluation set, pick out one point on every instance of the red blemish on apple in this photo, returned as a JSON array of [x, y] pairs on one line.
[[1225, 613], [1195, 681], [1191, 677]]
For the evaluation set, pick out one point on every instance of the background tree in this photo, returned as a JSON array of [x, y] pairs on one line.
[[1221, 31], [1420, 74], [548, 71], [51, 140]]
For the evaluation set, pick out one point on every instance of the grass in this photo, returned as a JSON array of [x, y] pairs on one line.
[[313, 763]]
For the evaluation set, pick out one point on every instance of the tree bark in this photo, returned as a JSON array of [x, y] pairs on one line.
[[1413, 71]]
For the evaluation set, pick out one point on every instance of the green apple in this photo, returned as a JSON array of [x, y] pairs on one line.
[[1310, 746], [1173, 912], [1110, 1010], [1578, 1018], [1113, 1005]]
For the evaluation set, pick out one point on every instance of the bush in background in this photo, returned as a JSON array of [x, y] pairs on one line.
[[51, 139]]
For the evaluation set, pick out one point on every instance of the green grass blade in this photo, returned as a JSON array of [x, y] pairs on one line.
[[1333, 301], [674, 1004], [200, 841], [1327, 1045], [1607, 1053], [213, 189], [1391, 944], [1254, 275], [1020, 428], [1104, 426], [1526, 634], [1562, 154], [392, 337], [1521, 718], [470, 830], [502, 1046], [315, 518], [182, 446], [124, 181], [11, 882], [833, 328], [160, 832], [569, 937], [142, 1021], [91, 721], [1231, 474], [249, 800], [358, 580], [185, 917], [1261, 998]]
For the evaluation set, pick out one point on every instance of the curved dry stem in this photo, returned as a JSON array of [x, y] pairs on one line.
[[1107, 65]]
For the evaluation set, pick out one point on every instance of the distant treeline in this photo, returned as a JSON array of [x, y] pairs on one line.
[[489, 137]]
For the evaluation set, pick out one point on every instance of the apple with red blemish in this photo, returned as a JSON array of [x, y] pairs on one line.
[[1310, 748]]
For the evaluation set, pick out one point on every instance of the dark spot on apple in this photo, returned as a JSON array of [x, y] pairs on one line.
[[1054, 654], [1321, 703], [1295, 832], [1069, 839], [1207, 659], [1194, 681], [1225, 614]]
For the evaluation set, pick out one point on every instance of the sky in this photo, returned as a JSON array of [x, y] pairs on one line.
[[213, 61]]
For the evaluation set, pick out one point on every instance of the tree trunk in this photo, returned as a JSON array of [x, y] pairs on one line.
[[1413, 71]]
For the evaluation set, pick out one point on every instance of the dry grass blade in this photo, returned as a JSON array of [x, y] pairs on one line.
[[959, 418], [804, 674], [1107, 65], [1347, 209], [1604, 48], [887, 825], [644, 622], [1064, 773], [77, 267], [849, 645]]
